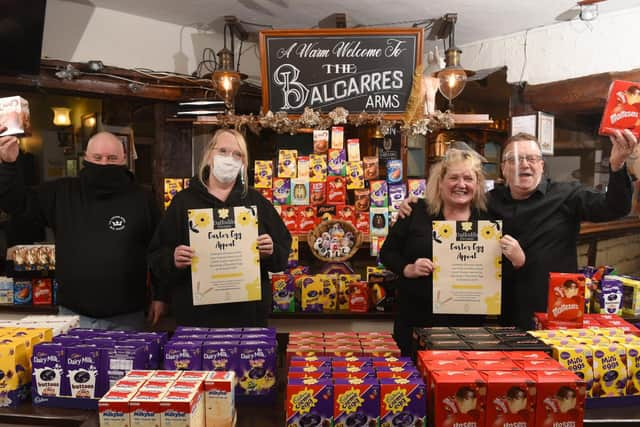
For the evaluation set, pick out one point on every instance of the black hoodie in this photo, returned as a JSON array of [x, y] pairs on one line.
[[175, 284], [103, 223]]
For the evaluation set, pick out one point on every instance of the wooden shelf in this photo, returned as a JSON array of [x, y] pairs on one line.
[[28, 309], [333, 315]]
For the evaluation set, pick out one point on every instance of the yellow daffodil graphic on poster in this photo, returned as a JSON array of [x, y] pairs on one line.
[[243, 218], [499, 267], [466, 226], [445, 231], [436, 269], [225, 243], [493, 303], [488, 232]]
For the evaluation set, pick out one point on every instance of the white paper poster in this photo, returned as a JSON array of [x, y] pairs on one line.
[[226, 264], [467, 275]]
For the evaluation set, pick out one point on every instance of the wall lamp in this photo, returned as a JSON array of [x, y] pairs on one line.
[[62, 121]]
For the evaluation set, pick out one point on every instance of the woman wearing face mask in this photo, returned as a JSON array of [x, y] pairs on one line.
[[221, 182]]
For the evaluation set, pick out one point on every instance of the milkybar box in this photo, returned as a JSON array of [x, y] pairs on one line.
[[263, 174], [303, 166], [337, 137], [145, 409], [114, 409], [219, 398], [299, 191], [14, 114], [182, 409]]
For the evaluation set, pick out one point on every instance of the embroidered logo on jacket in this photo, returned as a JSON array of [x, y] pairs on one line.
[[117, 223]]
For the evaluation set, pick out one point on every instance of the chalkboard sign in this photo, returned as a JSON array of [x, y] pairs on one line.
[[359, 69]]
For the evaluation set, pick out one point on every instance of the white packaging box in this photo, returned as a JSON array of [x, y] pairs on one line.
[[183, 409], [114, 409], [129, 384], [194, 375], [14, 114], [166, 375], [220, 399], [157, 384], [139, 374], [145, 408]]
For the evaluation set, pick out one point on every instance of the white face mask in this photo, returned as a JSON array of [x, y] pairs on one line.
[[226, 168]]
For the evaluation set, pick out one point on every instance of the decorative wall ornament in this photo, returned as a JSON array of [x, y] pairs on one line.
[[281, 122]]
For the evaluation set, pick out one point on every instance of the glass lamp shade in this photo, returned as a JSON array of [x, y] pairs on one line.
[[61, 116], [452, 81], [226, 84]]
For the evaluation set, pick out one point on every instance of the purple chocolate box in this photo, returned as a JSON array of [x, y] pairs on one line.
[[183, 356], [256, 368], [356, 402], [309, 403], [220, 355], [84, 370], [402, 402], [48, 370]]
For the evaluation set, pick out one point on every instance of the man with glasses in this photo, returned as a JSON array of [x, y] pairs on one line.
[[545, 216]]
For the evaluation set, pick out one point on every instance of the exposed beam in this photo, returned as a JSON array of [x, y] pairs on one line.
[[579, 95], [144, 87]]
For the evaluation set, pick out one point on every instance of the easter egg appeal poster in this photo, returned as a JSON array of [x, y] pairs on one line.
[[467, 273], [226, 264]]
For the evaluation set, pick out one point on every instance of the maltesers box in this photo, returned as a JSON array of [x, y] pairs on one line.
[[560, 398], [42, 291], [511, 399], [14, 114], [356, 402], [402, 402], [459, 398], [309, 402], [566, 298], [621, 110], [336, 190]]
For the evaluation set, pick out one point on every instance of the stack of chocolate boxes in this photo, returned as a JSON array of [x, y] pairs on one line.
[[608, 359], [79, 367], [248, 352], [308, 189], [16, 349], [170, 398], [354, 389], [495, 388], [476, 338]]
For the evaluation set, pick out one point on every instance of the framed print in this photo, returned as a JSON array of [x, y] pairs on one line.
[[125, 134], [545, 133], [526, 124]]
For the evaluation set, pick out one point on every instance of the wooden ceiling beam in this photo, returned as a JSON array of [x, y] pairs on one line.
[[579, 95], [172, 89]]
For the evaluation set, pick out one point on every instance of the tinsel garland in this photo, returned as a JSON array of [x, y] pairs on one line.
[[312, 119]]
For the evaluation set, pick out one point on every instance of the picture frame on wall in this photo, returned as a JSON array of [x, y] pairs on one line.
[[541, 125], [545, 132], [125, 135]]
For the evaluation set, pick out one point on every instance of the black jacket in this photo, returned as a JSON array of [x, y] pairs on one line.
[[175, 284], [547, 225], [101, 239], [408, 240]]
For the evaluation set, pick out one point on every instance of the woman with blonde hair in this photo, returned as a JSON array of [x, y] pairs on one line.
[[455, 191], [221, 182]]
